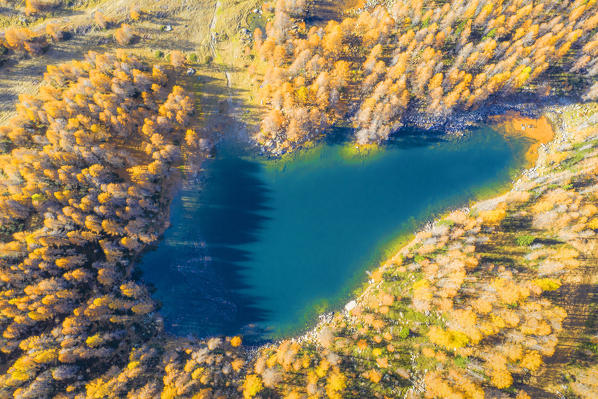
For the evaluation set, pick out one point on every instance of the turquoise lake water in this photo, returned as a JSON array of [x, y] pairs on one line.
[[260, 247]]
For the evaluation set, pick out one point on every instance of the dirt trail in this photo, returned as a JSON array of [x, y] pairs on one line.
[[213, 27], [213, 40]]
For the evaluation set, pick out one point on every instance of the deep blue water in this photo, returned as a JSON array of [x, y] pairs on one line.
[[258, 247]]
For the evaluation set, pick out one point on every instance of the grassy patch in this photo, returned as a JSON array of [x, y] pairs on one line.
[[461, 361], [525, 240]]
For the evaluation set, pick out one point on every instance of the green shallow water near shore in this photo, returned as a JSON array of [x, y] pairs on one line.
[[261, 247]]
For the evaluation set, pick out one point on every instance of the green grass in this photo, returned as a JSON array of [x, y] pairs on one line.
[[490, 35], [446, 222], [421, 258], [461, 362], [404, 333], [525, 240]]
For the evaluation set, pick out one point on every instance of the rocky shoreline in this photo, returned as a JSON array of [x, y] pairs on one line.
[[541, 259]]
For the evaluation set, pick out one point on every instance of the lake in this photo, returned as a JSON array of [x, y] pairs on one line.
[[259, 247]]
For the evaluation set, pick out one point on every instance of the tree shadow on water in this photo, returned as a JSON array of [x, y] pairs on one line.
[[198, 268], [405, 138], [414, 138]]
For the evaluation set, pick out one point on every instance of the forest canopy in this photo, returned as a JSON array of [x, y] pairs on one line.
[[416, 62], [86, 166], [471, 308]]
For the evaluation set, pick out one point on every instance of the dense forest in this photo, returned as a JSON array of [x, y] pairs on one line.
[[415, 62], [86, 166], [478, 305]]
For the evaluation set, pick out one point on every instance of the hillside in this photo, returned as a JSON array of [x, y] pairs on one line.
[[107, 105]]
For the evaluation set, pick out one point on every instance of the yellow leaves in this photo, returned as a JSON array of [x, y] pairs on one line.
[[271, 361], [470, 10], [362, 344], [513, 352], [522, 395], [12, 247], [124, 35], [135, 14], [522, 74], [93, 223], [382, 362], [305, 361], [376, 323], [501, 378], [342, 72], [237, 364], [129, 243], [86, 109], [37, 316], [377, 275], [191, 138], [494, 216], [509, 292], [548, 284], [252, 386], [80, 274], [332, 40], [236, 341], [531, 361], [143, 308], [20, 376], [373, 375], [482, 306], [435, 82], [336, 383], [498, 321], [32, 7], [386, 299], [101, 301], [421, 289], [577, 13], [302, 95], [104, 197], [131, 290], [133, 365], [428, 53], [437, 387], [498, 80], [285, 354], [428, 352], [94, 341], [168, 392], [322, 368], [177, 59], [455, 385], [488, 47], [465, 321], [519, 33], [197, 373], [448, 339], [533, 326], [54, 31], [16, 37]]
